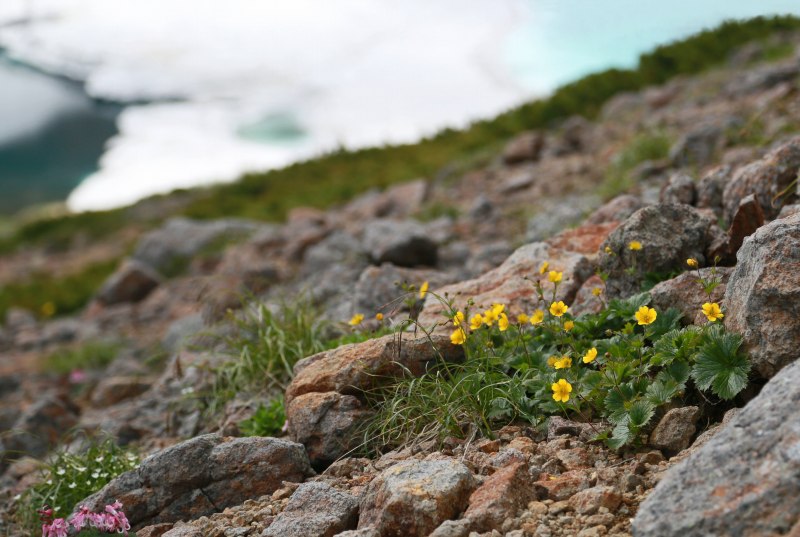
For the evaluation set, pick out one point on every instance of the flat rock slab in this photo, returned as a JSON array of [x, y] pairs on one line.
[[511, 284], [412, 498], [315, 509], [744, 482], [202, 476]]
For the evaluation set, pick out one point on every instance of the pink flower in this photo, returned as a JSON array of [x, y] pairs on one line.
[[57, 528], [80, 518], [77, 376]]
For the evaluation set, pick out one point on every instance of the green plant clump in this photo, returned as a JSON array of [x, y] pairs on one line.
[[618, 177], [264, 348], [267, 420], [69, 478], [91, 355], [47, 295], [622, 366]]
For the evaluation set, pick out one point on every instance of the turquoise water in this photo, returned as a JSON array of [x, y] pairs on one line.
[[51, 136], [562, 40]]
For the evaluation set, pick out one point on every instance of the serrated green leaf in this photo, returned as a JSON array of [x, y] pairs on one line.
[[665, 322], [720, 365], [640, 414]]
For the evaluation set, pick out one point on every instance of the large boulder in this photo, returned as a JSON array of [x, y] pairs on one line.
[[324, 402], [202, 476], [743, 482], [404, 243], [526, 146], [763, 295], [38, 428], [766, 178], [357, 367], [412, 498], [510, 283], [380, 288], [669, 234], [168, 247], [315, 509], [131, 282]]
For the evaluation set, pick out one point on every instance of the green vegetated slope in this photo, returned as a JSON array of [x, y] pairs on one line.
[[339, 175]]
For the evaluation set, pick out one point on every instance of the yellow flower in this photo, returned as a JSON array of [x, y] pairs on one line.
[[568, 325], [423, 290], [497, 309], [379, 316], [564, 362], [712, 311], [645, 315], [597, 291], [554, 276], [458, 318], [356, 319], [476, 321], [48, 309], [561, 390], [635, 245], [590, 355], [502, 322], [544, 267], [692, 262], [557, 309], [552, 361], [458, 337], [489, 317], [523, 318], [537, 317], [608, 250]]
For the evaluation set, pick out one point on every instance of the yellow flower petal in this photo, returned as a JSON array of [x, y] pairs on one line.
[[557, 309], [537, 317], [544, 267], [554, 276], [476, 321], [458, 337], [423, 290], [590, 356], [635, 245], [645, 315], [356, 319]]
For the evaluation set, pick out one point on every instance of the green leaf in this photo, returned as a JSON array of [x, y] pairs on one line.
[[676, 345], [720, 365], [665, 321], [640, 414]]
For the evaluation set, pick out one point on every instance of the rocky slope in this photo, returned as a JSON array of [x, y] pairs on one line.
[[726, 189]]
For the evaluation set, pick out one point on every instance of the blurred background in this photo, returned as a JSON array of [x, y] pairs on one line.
[[104, 102]]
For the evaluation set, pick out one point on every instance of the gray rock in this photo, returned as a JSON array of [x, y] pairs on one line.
[[181, 238], [679, 189], [616, 210], [38, 428], [766, 178], [453, 528], [763, 295], [710, 188], [403, 243], [762, 78], [202, 476], [789, 210], [669, 233], [524, 147], [326, 423], [380, 288], [744, 481], [561, 214], [131, 282], [697, 147], [675, 430], [412, 498], [315, 509]]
